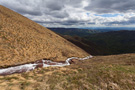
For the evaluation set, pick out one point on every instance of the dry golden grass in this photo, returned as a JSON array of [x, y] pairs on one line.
[[115, 72], [22, 41]]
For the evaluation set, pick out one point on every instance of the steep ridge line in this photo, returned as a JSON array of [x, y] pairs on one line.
[[39, 64], [24, 41]]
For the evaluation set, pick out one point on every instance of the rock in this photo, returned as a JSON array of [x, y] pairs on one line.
[[73, 61]]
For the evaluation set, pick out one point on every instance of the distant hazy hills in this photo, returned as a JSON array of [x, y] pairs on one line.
[[22, 41], [88, 31], [74, 31], [101, 41]]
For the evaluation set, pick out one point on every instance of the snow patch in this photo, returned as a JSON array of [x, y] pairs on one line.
[[43, 63]]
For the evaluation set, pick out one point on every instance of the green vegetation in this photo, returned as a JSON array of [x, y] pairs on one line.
[[116, 42], [86, 45], [107, 43]]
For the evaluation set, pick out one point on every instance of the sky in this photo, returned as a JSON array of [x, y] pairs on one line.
[[76, 13]]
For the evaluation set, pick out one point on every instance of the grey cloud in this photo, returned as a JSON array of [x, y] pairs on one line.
[[55, 5], [109, 6], [39, 21], [27, 11], [130, 21], [23, 7], [68, 12], [75, 3], [59, 14]]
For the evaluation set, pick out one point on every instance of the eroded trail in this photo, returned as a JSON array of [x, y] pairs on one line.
[[39, 64]]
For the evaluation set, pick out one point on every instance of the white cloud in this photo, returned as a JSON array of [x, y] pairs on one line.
[[75, 13]]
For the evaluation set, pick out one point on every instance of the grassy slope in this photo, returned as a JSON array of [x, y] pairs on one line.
[[22, 41], [115, 72]]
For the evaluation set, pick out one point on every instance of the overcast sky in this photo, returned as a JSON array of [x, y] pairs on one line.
[[76, 13]]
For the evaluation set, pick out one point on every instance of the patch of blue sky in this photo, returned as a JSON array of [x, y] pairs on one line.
[[108, 15], [88, 14]]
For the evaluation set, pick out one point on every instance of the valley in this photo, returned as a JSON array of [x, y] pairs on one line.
[[101, 43], [33, 57]]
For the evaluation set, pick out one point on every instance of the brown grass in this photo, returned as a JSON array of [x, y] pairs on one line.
[[115, 72], [22, 41]]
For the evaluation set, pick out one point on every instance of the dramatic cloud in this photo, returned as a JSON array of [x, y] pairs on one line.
[[75, 13], [111, 6]]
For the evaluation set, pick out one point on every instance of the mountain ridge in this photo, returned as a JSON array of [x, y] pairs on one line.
[[23, 40]]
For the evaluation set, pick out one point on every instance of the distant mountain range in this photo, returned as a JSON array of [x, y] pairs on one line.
[[100, 42], [74, 31], [106, 29], [88, 31]]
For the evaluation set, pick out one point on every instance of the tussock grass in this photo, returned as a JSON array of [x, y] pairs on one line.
[[115, 72], [23, 41]]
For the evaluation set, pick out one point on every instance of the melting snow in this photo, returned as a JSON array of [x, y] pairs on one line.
[[42, 63]]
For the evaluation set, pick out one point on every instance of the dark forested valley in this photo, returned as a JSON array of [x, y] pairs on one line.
[[99, 42]]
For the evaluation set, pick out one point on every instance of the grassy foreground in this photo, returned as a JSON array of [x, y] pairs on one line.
[[115, 72]]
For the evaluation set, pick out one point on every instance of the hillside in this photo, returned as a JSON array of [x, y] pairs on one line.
[[115, 42], [102, 43], [86, 45], [114, 72], [22, 41]]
